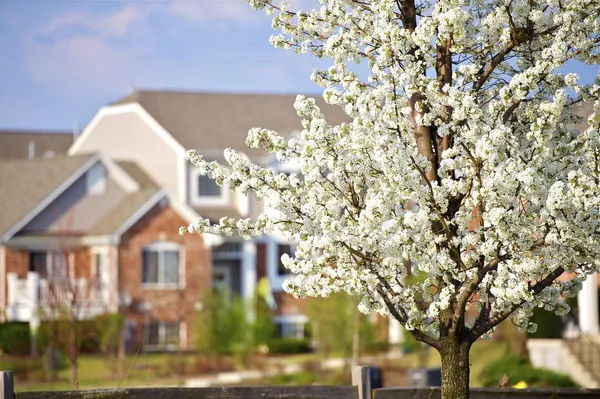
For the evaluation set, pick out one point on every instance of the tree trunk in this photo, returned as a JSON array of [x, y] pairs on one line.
[[121, 348], [455, 368], [73, 354]]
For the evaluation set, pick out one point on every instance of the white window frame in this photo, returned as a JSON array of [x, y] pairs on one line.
[[161, 247], [207, 200], [288, 320], [102, 285], [96, 180], [50, 272], [273, 260], [162, 335]]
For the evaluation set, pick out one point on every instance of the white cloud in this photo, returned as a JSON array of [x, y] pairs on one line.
[[103, 59], [237, 11], [112, 25]]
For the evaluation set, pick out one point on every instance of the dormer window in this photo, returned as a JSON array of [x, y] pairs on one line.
[[96, 180], [207, 187], [206, 192]]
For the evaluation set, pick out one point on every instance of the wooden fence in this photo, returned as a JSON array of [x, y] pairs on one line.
[[360, 390]]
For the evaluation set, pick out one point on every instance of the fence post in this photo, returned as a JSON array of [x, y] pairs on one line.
[[362, 378], [7, 385]]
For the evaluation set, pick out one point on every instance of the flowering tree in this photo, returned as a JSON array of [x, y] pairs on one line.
[[460, 159]]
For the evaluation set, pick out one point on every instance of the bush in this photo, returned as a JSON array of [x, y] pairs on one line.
[[25, 368], [377, 347], [289, 346], [518, 369], [15, 338], [88, 335]]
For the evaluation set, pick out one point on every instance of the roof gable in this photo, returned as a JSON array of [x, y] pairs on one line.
[[211, 122], [29, 186]]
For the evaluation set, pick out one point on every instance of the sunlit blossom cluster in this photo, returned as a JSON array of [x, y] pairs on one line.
[[510, 201]]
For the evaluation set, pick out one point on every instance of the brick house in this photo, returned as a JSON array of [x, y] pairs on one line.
[[104, 231], [169, 124]]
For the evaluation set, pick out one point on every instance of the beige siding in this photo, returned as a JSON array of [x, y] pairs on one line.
[[128, 137]]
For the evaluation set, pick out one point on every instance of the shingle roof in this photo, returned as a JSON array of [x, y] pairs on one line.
[[15, 144], [25, 183], [128, 205], [123, 211], [215, 121]]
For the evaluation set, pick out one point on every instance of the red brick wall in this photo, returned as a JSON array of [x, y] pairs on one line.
[[288, 305], [261, 260], [169, 305], [17, 261]]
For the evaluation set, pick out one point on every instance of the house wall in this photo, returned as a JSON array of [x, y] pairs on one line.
[[127, 136], [76, 210], [288, 305], [161, 224], [17, 261]]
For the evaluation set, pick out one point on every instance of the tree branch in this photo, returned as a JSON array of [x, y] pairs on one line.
[[482, 328]]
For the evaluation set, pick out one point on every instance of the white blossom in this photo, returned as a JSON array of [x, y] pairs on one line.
[[505, 200]]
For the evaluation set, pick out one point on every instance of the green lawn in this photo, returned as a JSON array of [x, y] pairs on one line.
[[160, 369], [99, 372], [482, 353]]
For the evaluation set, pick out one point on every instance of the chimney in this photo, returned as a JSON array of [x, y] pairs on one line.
[[31, 150]]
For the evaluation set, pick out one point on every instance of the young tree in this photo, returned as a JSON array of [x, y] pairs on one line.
[[461, 154]]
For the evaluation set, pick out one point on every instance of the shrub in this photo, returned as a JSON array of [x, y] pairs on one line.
[[88, 335], [289, 346], [15, 338], [520, 369], [377, 347], [24, 368]]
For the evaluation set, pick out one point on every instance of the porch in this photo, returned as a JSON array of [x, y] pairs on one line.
[[33, 298]]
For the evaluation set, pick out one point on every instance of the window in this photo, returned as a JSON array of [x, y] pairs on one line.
[[38, 263], [51, 265], [289, 249], [96, 180], [160, 264], [162, 334], [291, 326], [207, 187], [232, 248]]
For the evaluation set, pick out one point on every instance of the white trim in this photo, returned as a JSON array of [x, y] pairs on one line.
[[102, 281], [114, 278], [291, 318], [127, 183], [2, 283], [223, 200], [124, 109], [248, 272], [95, 241], [141, 211], [273, 260], [182, 170], [50, 198]]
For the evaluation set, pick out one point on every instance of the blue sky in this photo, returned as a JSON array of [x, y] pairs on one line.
[[61, 60]]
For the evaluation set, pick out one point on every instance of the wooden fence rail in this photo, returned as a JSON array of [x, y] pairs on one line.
[[360, 390], [305, 392]]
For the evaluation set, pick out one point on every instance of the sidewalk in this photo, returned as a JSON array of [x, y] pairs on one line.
[[236, 377]]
